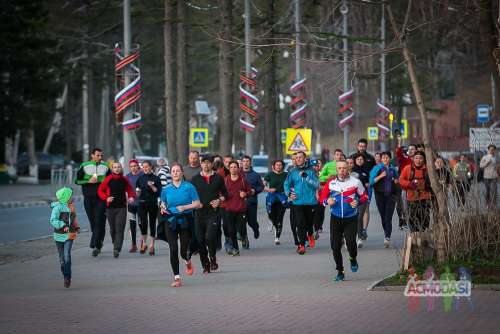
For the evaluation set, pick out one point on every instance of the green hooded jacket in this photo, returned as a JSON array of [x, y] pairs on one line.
[[61, 214]]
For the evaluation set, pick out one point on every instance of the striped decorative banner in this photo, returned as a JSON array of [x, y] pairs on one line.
[[346, 104], [298, 104], [382, 120], [127, 95], [249, 102]]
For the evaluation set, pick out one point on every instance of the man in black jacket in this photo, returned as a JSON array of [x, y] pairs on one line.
[[369, 159], [212, 191]]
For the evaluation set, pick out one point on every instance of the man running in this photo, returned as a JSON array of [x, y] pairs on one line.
[[255, 182], [369, 159], [212, 191], [330, 169], [343, 194], [132, 177], [89, 176], [300, 186], [193, 166]]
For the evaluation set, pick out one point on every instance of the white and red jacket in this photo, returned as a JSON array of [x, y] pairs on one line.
[[344, 192]]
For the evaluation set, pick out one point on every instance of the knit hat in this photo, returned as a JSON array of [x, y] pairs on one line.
[[63, 195]]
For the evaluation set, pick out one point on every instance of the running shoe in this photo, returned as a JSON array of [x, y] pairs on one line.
[[213, 264], [256, 234], [301, 250], [151, 251], [206, 268], [95, 252], [67, 282], [143, 248], [228, 245], [387, 242], [245, 243], [340, 276], [360, 243], [189, 268], [236, 252], [312, 241], [133, 249], [364, 235], [176, 283], [354, 265], [276, 241], [116, 254]]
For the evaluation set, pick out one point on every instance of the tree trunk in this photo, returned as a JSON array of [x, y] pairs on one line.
[[270, 109], [438, 190], [170, 135], [182, 109], [226, 77], [30, 144], [490, 41]]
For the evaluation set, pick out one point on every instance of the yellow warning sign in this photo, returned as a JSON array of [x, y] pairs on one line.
[[298, 140]]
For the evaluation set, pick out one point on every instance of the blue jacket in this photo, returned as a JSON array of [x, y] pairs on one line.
[[392, 173], [255, 181], [304, 187], [344, 192]]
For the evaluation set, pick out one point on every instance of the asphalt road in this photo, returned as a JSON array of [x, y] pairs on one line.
[[31, 223]]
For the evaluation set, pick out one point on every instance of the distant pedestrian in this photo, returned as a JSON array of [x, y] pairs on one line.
[[163, 172], [193, 167], [63, 219], [114, 190], [255, 181], [463, 175], [89, 176], [319, 210], [490, 175], [363, 175], [369, 159]]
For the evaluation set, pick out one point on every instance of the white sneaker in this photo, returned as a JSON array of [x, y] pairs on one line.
[[387, 242], [276, 241], [360, 243]]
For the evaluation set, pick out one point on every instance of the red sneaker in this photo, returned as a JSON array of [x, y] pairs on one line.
[[312, 242], [189, 268], [301, 250], [176, 283]]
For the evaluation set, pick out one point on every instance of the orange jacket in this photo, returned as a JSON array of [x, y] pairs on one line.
[[413, 180]]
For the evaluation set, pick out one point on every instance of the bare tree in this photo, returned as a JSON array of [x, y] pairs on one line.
[[226, 77], [169, 83], [182, 109]]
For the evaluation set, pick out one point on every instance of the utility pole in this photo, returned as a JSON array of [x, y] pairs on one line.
[[127, 113], [344, 10], [383, 144], [85, 114], [248, 69], [297, 40]]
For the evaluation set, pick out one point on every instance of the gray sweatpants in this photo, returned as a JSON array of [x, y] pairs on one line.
[[117, 219]]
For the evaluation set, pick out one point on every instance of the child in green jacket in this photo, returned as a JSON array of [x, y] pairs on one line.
[[63, 219]]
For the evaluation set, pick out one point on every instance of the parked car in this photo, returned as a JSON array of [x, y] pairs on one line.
[[260, 164], [45, 162]]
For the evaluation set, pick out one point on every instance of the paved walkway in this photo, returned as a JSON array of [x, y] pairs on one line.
[[267, 289]]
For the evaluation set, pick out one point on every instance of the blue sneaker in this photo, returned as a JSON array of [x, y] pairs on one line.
[[354, 265], [228, 245], [340, 276]]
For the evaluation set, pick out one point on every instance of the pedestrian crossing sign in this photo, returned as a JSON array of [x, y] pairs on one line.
[[283, 136], [372, 133], [298, 140], [198, 137]]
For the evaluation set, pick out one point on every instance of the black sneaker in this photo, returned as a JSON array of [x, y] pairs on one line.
[[354, 265], [116, 254], [213, 264], [256, 234], [206, 269], [67, 282], [95, 252]]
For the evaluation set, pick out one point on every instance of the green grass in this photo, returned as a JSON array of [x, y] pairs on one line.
[[483, 271]]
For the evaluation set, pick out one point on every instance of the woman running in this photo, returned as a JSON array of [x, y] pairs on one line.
[[276, 198], [149, 187], [235, 206], [178, 200], [114, 190], [363, 174], [383, 178]]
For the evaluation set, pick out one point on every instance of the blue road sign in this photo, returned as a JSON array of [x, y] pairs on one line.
[[483, 113]]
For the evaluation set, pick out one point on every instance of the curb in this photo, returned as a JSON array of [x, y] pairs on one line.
[[374, 286], [40, 203], [33, 239]]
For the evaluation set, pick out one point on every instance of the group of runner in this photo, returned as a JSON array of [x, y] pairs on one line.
[[213, 196]]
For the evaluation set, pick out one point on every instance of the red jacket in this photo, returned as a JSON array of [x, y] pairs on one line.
[[403, 160], [234, 202], [413, 180], [104, 191]]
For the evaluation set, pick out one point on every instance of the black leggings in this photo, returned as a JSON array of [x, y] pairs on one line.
[[303, 215], [385, 205], [234, 222], [341, 228], [319, 217], [148, 210], [276, 216], [206, 234], [184, 234], [96, 213], [293, 227]]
